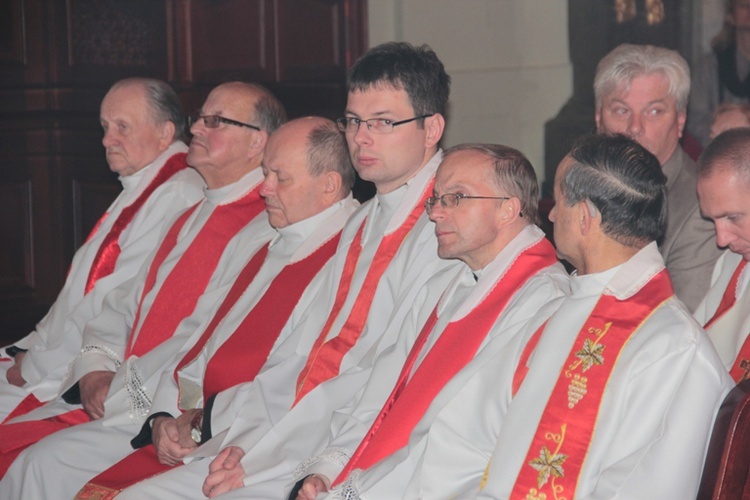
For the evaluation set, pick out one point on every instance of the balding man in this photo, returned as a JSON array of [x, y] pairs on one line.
[[723, 190], [642, 91], [307, 184], [143, 137], [198, 256]]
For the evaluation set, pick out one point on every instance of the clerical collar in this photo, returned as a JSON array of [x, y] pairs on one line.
[[591, 284], [292, 235], [389, 202]]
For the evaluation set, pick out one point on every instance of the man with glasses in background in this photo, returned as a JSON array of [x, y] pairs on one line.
[[198, 256]]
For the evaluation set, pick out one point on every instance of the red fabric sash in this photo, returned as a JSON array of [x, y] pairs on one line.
[[741, 367], [28, 404], [241, 357], [562, 439], [178, 295], [453, 350], [237, 360], [729, 297], [106, 257], [14, 438], [136, 467], [325, 357], [246, 276]]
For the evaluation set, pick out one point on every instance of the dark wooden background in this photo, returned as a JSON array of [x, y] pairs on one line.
[[59, 57]]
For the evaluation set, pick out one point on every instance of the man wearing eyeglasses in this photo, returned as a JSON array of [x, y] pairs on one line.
[[393, 123], [484, 207], [198, 255], [144, 129]]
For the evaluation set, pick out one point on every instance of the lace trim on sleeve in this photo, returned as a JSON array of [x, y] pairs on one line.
[[349, 489], [335, 455], [138, 398], [99, 349]]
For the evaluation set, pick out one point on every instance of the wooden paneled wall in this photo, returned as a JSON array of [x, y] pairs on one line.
[[59, 57]]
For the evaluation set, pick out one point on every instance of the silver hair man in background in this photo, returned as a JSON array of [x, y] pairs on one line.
[[642, 91]]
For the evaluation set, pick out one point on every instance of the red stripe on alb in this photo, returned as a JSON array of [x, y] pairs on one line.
[[106, 257], [729, 298], [325, 357], [177, 297], [453, 349]]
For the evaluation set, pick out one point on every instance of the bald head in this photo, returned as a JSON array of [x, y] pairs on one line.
[[306, 168]]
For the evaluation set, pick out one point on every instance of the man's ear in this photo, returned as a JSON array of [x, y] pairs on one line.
[[166, 137], [589, 215], [258, 144], [332, 185], [435, 126], [510, 211]]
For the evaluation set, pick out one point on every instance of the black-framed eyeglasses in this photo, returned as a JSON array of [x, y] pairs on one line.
[[451, 200], [213, 121], [350, 124]]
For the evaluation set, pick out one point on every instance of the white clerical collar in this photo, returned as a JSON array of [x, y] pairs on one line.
[[291, 236], [492, 273], [132, 180], [591, 284], [233, 192], [389, 202]]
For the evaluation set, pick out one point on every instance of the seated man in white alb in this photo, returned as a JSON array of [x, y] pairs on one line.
[[144, 130], [307, 195], [484, 209], [623, 386], [724, 194]]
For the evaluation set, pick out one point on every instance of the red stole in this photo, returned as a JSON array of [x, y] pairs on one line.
[[106, 257], [238, 360], [557, 452], [241, 357], [729, 297], [176, 299], [741, 366], [453, 350], [325, 357], [178, 295]]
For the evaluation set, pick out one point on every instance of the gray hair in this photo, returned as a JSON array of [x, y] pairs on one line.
[[327, 152], [269, 112], [627, 61], [624, 182], [162, 102], [513, 174]]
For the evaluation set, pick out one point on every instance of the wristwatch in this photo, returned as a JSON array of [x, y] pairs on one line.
[[196, 426]]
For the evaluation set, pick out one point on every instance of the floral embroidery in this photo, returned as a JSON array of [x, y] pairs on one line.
[[548, 463], [591, 354]]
